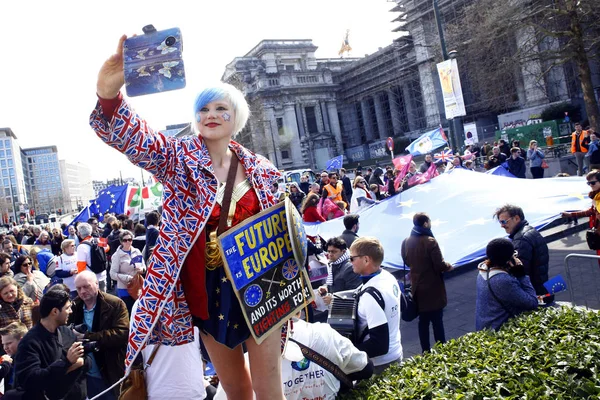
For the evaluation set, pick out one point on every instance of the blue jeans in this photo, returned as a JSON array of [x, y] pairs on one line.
[[436, 319]]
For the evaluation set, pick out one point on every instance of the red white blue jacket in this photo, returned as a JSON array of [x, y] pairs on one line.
[[184, 167]]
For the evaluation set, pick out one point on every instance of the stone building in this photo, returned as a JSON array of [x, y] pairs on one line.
[[292, 95]]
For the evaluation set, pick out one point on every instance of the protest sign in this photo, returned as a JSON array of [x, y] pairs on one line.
[[264, 260]]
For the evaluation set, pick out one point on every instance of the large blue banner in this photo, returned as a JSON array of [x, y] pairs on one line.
[[461, 205]]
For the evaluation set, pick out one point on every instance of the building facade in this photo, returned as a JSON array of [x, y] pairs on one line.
[[44, 181], [292, 96], [13, 196], [77, 185]]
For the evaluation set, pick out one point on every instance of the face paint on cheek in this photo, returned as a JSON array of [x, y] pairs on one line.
[[198, 117], [226, 117]]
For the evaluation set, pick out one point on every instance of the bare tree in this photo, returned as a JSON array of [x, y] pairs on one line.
[[499, 41]]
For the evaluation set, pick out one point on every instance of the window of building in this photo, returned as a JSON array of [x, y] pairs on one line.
[[10, 162], [289, 68], [308, 79], [7, 143], [4, 172], [11, 172], [285, 154], [29, 160], [280, 128], [5, 181], [8, 153], [1, 143], [311, 119], [3, 163]]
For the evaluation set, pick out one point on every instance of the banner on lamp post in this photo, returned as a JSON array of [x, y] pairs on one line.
[[454, 104]]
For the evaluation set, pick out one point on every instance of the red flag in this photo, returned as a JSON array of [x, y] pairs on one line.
[[402, 164], [423, 178]]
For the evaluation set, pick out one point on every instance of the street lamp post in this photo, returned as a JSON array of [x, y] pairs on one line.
[[455, 124]]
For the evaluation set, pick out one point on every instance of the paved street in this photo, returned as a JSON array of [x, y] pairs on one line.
[[459, 315]]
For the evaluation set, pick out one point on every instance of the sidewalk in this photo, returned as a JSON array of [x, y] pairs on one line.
[[459, 315]]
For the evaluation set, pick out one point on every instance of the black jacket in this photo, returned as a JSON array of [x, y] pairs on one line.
[[41, 365], [517, 167], [347, 187], [344, 277], [349, 237], [533, 253]]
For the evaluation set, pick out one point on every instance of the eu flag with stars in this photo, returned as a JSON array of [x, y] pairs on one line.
[[555, 285], [335, 163], [112, 199]]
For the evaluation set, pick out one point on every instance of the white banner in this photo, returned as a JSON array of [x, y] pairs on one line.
[[454, 104]]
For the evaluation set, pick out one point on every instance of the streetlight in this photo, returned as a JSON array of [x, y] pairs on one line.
[[455, 124]]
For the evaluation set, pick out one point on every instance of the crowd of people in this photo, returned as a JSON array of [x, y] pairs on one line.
[[66, 335]]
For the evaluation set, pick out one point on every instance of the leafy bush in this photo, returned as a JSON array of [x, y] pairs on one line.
[[552, 353]]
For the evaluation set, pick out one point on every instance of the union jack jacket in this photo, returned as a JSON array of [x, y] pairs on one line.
[[184, 167]]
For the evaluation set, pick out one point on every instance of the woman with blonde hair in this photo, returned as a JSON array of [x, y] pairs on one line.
[[14, 305], [32, 281], [535, 157], [361, 197]]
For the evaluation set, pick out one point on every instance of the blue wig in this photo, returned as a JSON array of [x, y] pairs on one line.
[[225, 92], [208, 96]]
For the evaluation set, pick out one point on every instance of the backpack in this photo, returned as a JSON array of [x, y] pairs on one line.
[[98, 257]]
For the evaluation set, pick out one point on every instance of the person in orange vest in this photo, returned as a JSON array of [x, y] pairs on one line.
[[580, 142], [334, 190]]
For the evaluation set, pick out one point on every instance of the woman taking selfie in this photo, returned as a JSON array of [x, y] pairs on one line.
[[186, 283]]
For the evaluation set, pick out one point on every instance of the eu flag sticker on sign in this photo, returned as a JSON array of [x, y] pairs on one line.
[[264, 260]]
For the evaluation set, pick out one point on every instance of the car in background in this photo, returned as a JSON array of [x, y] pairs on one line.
[[294, 176]]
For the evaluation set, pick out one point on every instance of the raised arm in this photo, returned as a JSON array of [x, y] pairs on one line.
[[119, 126]]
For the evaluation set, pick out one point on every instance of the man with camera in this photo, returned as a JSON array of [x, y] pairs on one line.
[[51, 363], [102, 320]]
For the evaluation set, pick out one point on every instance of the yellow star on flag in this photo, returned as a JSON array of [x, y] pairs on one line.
[[218, 290], [224, 279], [577, 195], [221, 317]]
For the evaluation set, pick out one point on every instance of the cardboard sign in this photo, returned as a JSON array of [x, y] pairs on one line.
[[264, 260]]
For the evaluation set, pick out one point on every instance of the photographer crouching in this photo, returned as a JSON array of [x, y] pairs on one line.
[[503, 289]]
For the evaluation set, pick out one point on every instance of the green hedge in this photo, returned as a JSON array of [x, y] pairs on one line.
[[552, 353]]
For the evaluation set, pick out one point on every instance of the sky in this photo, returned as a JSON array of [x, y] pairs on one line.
[[53, 51]]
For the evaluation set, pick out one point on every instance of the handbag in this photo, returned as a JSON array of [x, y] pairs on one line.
[[408, 306], [544, 164], [134, 386], [134, 287], [593, 239]]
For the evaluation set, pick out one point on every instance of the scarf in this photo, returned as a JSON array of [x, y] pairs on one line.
[[420, 231], [343, 258]]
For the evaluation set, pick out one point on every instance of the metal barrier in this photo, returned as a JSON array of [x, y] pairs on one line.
[[583, 279]]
